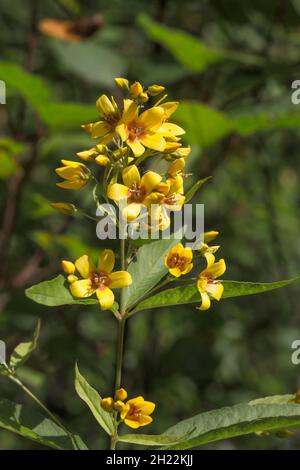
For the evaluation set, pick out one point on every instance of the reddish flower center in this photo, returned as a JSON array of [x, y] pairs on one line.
[[100, 280], [135, 131], [135, 413], [137, 194], [177, 261]]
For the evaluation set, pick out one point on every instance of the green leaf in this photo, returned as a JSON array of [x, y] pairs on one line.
[[93, 400], [67, 115], [187, 49], [89, 61], [33, 425], [31, 87], [150, 439], [148, 269], [54, 293], [188, 293], [204, 125], [234, 421], [274, 400], [192, 191], [23, 351]]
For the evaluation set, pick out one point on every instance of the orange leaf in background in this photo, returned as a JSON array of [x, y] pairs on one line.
[[71, 30]]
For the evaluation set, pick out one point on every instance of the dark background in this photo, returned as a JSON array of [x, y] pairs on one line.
[[235, 87]]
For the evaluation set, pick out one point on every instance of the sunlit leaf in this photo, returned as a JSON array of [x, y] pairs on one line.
[[23, 351]]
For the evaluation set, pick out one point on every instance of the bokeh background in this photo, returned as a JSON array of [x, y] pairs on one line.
[[231, 64]]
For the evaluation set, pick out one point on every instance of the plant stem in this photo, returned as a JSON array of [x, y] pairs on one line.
[[120, 339]]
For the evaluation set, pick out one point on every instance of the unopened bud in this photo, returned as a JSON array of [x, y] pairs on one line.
[[64, 207], [154, 90], [107, 404]]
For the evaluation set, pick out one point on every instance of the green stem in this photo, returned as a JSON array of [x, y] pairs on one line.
[[17, 381], [120, 338]]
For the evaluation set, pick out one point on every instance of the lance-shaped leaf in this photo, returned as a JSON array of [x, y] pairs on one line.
[[148, 268], [54, 293], [93, 400], [151, 439], [192, 191], [23, 351], [33, 425], [234, 421], [188, 294]]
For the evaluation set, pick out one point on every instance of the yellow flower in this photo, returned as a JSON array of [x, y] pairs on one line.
[[137, 190], [206, 250], [107, 404], [64, 207], [68, 266], [76, 175], [140, 131], [100, 279], [154, 90], [171, 199], [137, 412], [110, 113], [179, 260], [121, 394], [210, 236], [120, 406], [207, 285], [122, 83], [97, 154]]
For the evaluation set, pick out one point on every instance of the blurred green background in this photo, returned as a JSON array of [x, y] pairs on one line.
[[231, 64]]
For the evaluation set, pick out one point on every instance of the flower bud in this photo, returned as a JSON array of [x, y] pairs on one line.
[[64, 207], [122, 83], [210, 236], [143, 97], [102, 160], [68, 267], [121, 394], [154, 90], [120, 406], [71, 278], [136, 89], [107, 404]]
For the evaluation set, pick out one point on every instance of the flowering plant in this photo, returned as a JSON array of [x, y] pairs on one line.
[[136, 168]]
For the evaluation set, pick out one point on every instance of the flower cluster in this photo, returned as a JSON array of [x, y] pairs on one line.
[[98, 279], [179, 261], [129, 132], [134, 412]]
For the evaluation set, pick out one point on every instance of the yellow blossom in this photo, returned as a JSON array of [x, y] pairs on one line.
[[110, 114], [107, 404], [99, 279], [137, 412], [137, 191], [68, 266], [122, 83], [171, 199], [207, 284], [154, 90], [97, 154], [179, 260], [140, 131], [136, 89], [76, 175], [121, 394]]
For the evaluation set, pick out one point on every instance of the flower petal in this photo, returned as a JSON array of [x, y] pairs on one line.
[[84, 266], [217, 269], [215, 290], [137, 148], [120, 279], [132, 423], [106, 261], [82, 288], [117, 192], [104, 105], [205, 301], [154, 141], [106, 298], [151, 118], [169, 129], [131, 211], [169, 108], [131, 176], [75, 184], [130, 111], [147, 407], [150, 180]]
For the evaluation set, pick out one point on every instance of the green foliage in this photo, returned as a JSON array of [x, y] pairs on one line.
[[33, 425], [234, 421], [23, 351], [54, 293], [93, 400], [148, 269], [90, 61], [189, 51], [188, 293]]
